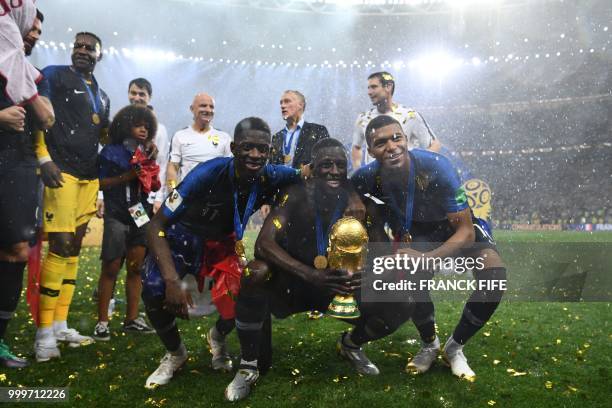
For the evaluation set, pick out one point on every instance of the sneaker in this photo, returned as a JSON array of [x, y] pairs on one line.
[[221, 359], [240, 387], [102, 332], [169, 365], [8, 359], [73, 338], [138, 325], [426, 356], [46, 349], [454, 357], [356, 357]]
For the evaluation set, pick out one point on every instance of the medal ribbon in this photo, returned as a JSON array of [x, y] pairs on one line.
[[407, 223], [288, 142], [321, 237], [94, 98], [240, 224]]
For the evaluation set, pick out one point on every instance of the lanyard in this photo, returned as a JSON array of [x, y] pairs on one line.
[[322, 239], [240, 224], [407, 222]]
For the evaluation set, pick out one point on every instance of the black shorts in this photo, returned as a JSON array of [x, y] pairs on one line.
[[20, 200], [290, 295], [119, 237]]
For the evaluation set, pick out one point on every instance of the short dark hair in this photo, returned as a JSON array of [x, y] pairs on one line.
[[91, 35], [141, 83], [250, 123], [39, 15], [377, 123], [324, 144], [385, 79], [127, 118]]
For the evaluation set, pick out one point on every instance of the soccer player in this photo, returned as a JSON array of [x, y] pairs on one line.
[[124, 194], [283, 280], [19, 200], [381, 87], [68, 156], [199, 231], [423, 201]]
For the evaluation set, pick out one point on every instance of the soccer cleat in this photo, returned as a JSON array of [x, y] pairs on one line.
[[424, 359], [101, 332], [138, 325], [454, 357], [356, 357], [8, 359], [240, 387], [169, 365], [221, 359], [73, 338], [46, 349]]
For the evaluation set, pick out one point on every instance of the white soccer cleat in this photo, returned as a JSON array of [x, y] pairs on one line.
[[73, 338], [221, 359], [358, 359], [46, 349], [240, 387], [424, 359], [457, 361], [169, 365]]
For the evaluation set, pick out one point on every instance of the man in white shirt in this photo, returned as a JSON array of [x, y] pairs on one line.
[[381, 86], [197, 143]]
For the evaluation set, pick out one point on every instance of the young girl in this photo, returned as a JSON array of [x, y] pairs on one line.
[[126, 211]]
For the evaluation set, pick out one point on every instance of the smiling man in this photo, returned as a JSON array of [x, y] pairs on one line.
[[197, 143], [199, 231], [68, 156], [284, 279]]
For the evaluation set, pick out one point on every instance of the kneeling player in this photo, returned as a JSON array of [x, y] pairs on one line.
[[199, 231], [420, 197], [285, 281]]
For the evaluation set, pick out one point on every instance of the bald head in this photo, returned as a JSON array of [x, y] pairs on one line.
[[203, 110]]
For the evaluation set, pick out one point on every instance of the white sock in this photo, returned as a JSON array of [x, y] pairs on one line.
[[252, 363], [44, 333], [451, 346], [180, 352], [433, 344], [103, 323], [60, 325]]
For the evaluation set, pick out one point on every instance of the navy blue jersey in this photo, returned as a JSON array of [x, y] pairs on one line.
[[16, 148], [438, 190], [73, 140], [113, 161], [204, 201]]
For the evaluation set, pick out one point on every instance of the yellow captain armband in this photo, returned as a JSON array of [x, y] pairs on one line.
[[40, 147], [161, 234]]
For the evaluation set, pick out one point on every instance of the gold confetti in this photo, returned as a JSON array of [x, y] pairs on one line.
[[277, 223], [586, 345], [491, 403], [112, 387], [486, 334], [496, 362], [573, 389], [387, 388], [548, 385], [295, 371], [101, 366], [2, 377], [558, 341]]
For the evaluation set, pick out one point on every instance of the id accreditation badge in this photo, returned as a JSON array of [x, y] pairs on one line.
[[139, 215]]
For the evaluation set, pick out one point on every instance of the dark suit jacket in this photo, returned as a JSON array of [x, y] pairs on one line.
[[310, 134]]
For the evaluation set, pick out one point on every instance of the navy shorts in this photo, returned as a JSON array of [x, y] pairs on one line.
[[19, 204]]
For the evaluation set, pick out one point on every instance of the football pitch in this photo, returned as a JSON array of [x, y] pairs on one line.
[[531, 354]]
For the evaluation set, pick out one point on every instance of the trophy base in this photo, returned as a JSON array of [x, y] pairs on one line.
[[343, 307]]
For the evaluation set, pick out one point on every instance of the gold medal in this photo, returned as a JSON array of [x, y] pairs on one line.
[[407, 237], [287, 158], [240, 249], [320, 262], [95, 118]]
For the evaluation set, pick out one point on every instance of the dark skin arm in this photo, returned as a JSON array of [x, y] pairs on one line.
[[267, 248], [177, 299]]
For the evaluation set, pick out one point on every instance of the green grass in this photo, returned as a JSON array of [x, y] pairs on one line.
[[566, 344]]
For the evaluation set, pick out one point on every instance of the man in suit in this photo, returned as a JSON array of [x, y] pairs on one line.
[[292, 146]]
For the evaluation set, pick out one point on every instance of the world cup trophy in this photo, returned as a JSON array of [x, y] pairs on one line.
[[347, 250]]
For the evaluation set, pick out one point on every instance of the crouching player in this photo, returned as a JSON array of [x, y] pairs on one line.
[[199, 231], [419, 195]]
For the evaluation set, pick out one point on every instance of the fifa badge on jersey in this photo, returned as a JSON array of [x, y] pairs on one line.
[[174, 200]]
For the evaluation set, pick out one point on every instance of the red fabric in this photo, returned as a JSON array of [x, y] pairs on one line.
[[149, 175], [220, 262], [33, 290]]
